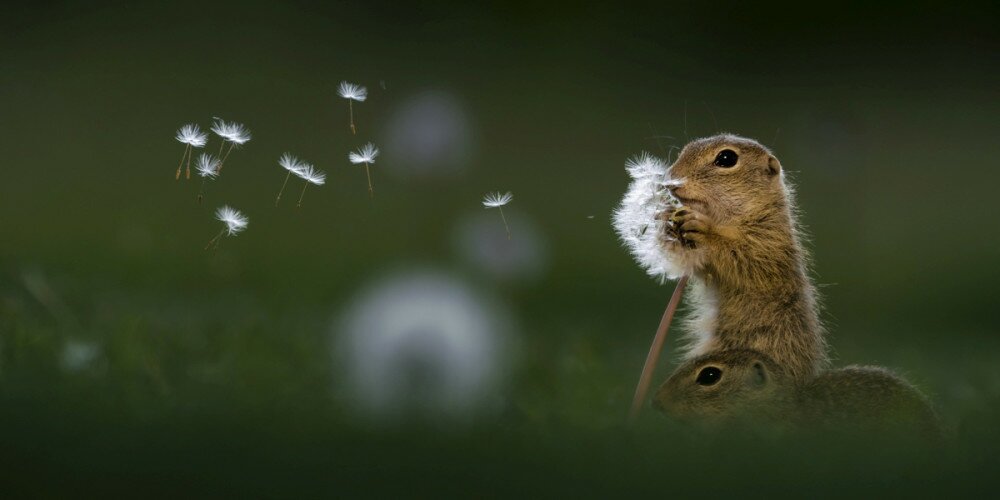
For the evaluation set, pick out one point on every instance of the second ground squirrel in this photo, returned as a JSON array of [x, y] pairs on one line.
[[743, 384], [735, 233]]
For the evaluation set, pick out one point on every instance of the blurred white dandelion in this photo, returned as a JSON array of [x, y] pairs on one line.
[[365, 155], [352, 92], [635, 219], [208, 168], [431, 135], [497, 200], [192, 137], [424, 344], [312, 176], [293, 166], [78, 355], [236, 134], [233, 223]]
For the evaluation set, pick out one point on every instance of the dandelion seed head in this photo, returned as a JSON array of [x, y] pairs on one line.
[[352, 91], [207, 165], [291, 163], [234, 220], [494, 200], [233, 132], [192, 135], [366, 154], [310, 174], [635, 219]]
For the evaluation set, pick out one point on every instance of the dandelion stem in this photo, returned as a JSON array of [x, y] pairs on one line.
[[223, 162], [371, 191], [276, 200], [350, 109], [178, 176], [303, 194], [187, 174], [654, 350], [504, 222], [215, 240], [201, 191]]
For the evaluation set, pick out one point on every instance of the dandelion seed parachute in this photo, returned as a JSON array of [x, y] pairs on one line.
[[233, 132], [366, 154], [293, 166], [494, 200], [207, 166], [234, 220], [352, 91], [192, 137], [311, 175]]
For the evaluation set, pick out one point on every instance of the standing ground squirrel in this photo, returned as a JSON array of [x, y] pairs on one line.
[[736, 235], [744, 384]]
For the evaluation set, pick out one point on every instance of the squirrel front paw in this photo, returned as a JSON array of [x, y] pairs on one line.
[[686, 227]]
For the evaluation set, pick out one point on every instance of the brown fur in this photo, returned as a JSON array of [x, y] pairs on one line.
[[736, 234], [855, 398]]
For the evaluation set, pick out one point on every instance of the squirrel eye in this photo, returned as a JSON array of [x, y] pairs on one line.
[[726, 158], [709, 376]]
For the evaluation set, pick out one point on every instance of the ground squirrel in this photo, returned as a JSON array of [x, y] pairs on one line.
[[745, 384], [735, 233]]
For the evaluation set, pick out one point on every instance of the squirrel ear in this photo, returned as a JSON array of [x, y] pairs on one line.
[[759, 373], [773, 165]]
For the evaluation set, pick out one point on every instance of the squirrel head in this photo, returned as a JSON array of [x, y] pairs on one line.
[[722, 385], [727, 176]]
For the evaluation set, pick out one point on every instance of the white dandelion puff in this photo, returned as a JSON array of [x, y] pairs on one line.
[[192, 137], [497, 200], [366, 155], [293, 166], [635, 219], [208, 168], [352, 92], [234, 223], [312, 176], [236, 134]]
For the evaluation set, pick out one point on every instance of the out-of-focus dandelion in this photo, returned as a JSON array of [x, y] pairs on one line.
[[311, 176], [208, 168], [423, 344], [352, 92], [293, 166], [365, 155], [192, 137], [236, 134], [497, 200], [234, 222]]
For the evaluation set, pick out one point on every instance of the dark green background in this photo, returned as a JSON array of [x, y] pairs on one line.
[[215, 371]]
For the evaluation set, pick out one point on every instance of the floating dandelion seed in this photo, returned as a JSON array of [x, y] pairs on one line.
[[365, 155], [293, 166], [236, 134], [234, 220], [192, 136], [311, 176], [352, 92], [497, 200], [208, 168]]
